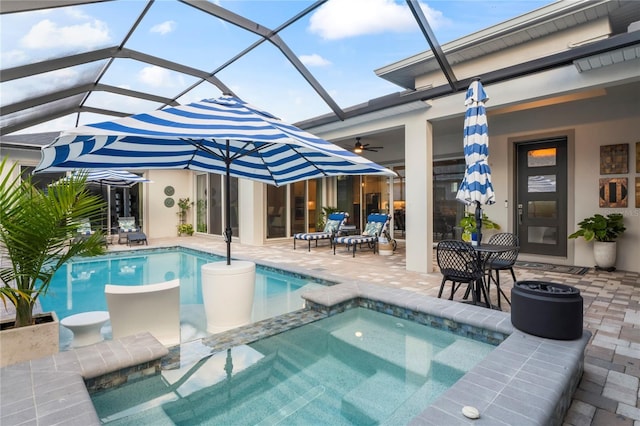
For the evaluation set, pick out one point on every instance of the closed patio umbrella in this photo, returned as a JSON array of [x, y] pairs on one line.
[[476, 187], [224, 136]]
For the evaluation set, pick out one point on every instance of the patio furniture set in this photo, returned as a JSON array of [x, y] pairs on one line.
[[336, 231], [477, 266]]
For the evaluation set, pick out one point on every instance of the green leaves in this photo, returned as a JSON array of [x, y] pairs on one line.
[[601, 228], [36, 233]]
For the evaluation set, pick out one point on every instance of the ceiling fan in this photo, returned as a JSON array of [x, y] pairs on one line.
[[359, 147]]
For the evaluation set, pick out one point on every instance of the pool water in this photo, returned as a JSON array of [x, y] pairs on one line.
[[358, 367], [79, 286]]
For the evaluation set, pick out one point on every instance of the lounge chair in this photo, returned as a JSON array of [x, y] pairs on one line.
[[376, 225], [84, 231], [129, 232], [154, 308], [335, 221]]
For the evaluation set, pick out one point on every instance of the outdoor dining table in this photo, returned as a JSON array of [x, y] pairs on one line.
[[484, 252]]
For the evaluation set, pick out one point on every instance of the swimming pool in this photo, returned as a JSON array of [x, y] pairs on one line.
[[79, 286], [338, 370]]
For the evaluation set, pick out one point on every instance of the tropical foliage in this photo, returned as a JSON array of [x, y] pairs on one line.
[[36, 235], [468, 225], [322, 219], [600, 228]]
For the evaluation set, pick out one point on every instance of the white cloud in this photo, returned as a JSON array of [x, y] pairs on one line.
[[76, 13], [47, 35], [164, 28], [13, 57], [314, 60], [155, 76], [339, 19]]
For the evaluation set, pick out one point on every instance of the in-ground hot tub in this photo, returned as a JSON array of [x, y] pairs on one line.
[[547, 309]]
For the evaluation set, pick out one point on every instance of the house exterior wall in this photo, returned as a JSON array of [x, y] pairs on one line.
[[161, 221], [560, 102]]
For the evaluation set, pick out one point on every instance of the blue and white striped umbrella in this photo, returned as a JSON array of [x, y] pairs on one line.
[[224, 136], [261, 147], [118, 178], [476, 185]]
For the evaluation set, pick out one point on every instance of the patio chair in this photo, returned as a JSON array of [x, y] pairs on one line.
[[502, 261], [154, 308], [458, 263], [335, 221], [376, 225], [128, 231]]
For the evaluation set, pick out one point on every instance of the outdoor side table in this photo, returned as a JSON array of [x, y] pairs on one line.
[[86, 327]]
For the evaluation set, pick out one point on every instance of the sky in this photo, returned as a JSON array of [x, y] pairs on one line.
[[341, 43]]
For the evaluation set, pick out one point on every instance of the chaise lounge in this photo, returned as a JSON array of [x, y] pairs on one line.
[[128, 231], [376, 225], [335, 221]]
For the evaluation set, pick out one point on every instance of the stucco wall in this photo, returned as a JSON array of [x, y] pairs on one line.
[[159, 220], [584, 169]]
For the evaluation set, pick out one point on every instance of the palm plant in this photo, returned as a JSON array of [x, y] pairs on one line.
[[36, 227]]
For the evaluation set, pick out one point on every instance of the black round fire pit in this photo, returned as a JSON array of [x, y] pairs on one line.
[[547, 309]]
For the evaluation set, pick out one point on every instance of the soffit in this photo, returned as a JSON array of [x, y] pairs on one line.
[[535, 25]]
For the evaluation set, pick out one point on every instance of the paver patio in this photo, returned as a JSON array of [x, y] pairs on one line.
[[609, 391]]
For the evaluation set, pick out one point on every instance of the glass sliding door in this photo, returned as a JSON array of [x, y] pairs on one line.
[[276, 211], [399, 194], [210, 204], [201, 203], [297, 207], [215, 204], [447, 210], [314, 204], [362, 195]]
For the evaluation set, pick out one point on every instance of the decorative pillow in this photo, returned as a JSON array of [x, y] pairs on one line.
[[84, 228], [372, 229], [127, 225], [332, 226]]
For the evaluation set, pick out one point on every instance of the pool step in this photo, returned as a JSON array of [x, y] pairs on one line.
[[375, 399], [452, 362], [408, 359]]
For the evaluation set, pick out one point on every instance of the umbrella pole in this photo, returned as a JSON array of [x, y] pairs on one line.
[[227, 208], [478, 222]]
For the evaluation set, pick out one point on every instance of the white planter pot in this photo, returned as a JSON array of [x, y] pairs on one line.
[[604, 254], [32, 342], [227, 293]]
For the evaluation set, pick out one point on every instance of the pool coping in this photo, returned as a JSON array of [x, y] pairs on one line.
[[526, 380]]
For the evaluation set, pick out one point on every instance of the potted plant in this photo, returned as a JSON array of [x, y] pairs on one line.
[[604, 230], [184, 204], [469, 226], [322, 219], [36, 239], [186, 229]]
